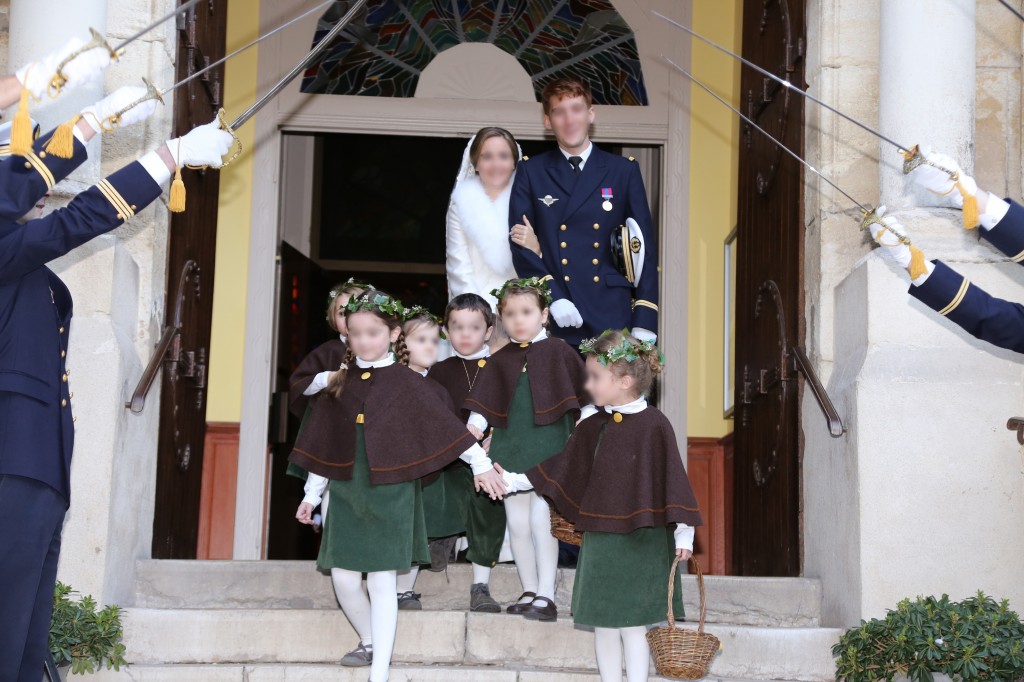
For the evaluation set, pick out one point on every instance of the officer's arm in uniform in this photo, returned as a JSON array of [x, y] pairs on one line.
[[26, 179], [1007, 234], [645, 307], [97, 210], [991, 319], [526, 262]]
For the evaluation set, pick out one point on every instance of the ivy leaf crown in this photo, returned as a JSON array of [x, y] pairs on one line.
[[537, 283], [377, 301], [347, 284], [419, 311], [626, 350]]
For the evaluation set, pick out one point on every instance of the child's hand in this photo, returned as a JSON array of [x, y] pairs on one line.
[[684, 554], [486, 445], [477, 433], [305, 513], [491, 483]]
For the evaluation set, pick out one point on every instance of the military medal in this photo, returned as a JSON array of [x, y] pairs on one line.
[[606, 194], [548, 200]]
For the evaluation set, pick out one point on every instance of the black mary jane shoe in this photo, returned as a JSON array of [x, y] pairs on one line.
[[542, 609], [519, 606]]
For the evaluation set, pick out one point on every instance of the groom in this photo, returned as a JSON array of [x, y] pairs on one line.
[[574, 197]]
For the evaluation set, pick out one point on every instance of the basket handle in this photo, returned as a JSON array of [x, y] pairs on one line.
[[672, 589]]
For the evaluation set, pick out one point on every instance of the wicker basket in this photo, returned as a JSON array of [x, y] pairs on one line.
[[679, 653], [563, 530]]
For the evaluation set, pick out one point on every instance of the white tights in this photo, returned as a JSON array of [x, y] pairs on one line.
[[534, 549], [374, 616], [407, 579], [612, 643]]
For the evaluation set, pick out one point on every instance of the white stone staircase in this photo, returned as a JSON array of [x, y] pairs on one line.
[[272, 621]]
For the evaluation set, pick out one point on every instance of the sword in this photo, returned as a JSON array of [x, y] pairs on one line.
[[154, 93], [58, 81], [301, 66], [1007, 6], [870, 215], [786, 84]]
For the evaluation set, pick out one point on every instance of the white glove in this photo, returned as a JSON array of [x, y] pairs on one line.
[[887, 236], [204, 145], [115, 102], [85, 67], [566, 313], [940, 180], [642, 334]]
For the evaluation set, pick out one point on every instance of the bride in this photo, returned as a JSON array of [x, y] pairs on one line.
[[479, 257]]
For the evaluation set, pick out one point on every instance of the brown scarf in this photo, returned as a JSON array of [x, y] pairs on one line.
[[409, 431], [556, 374], [625, 476]]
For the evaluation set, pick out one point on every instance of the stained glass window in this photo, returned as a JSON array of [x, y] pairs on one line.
[[389, 43]]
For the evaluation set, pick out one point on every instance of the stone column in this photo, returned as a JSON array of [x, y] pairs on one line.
[[926, 87]]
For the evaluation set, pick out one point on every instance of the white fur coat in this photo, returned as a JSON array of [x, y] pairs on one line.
[[479, 257]]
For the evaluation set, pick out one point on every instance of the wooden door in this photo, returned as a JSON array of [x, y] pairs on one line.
[[769, 301], [190, 259]]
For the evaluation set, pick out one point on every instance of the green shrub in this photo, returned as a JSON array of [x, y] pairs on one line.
[[82, 636], [976, 639]]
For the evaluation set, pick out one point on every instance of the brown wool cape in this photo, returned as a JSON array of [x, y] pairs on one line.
[[556, 374], [326, 357], [409, 432], [616, 477]]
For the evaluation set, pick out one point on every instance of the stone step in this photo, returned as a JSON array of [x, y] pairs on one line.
[[332, 673], [446, 638], [768, 602]]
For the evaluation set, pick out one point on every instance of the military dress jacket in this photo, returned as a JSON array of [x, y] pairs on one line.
[[568, 213]]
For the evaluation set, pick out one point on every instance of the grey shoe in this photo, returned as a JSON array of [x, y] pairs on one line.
[[481, 601], [409, 601], [360, 657]]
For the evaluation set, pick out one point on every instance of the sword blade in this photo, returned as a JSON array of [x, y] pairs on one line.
[[1012, 9], [242, 49], [170, 15], [786, 84], [301, 66], [779, 144]]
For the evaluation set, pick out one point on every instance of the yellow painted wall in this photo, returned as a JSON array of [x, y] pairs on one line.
[[227, 346], [714, 145]]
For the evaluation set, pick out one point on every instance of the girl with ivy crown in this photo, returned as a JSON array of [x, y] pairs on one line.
[[620, 480], [382, 430], [531, 392]]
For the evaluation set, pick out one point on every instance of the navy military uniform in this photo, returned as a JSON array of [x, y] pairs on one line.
[[991, 319], [568, 214], [36, 424]]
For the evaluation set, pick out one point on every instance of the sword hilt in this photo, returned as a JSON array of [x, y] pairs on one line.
[[225, 126], [872, 218], [914, 159], [59, 80], [114, 120]]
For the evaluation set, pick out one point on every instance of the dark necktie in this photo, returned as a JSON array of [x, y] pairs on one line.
[[577, 162]]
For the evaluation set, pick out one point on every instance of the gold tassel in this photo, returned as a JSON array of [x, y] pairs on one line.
[[21, 128], [971, 220], [62, 143], [176, 202], [917, 264]]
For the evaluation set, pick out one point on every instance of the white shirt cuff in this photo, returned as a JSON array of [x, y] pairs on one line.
[[477, 459], [587, 411], [318, 384], [921, 279], [314, 489], [684, 536], [478, 420], [516, 483], [156, 167], [995, 210]]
